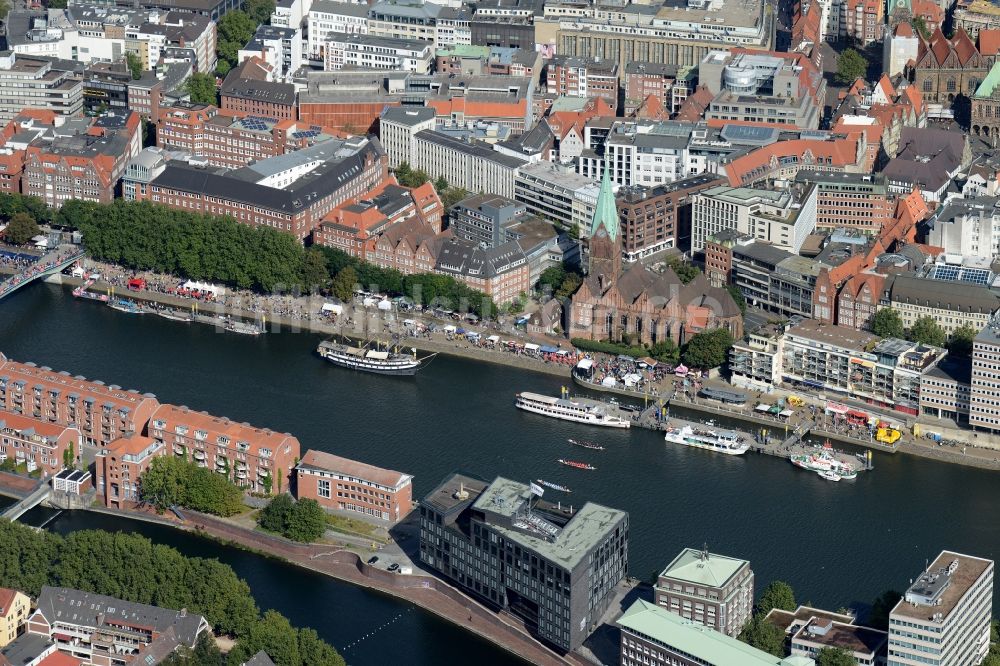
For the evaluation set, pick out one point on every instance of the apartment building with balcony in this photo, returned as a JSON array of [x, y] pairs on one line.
[[256, 459], [713, 590], [755, 362], [36, 443], [349, 485], [783, 218], [946, 390], [118, 467], [105, 631], [582, 77], [102, 413]]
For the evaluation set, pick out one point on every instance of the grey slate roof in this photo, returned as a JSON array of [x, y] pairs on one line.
[[259, 659], [24, 649], [62, 604], [462, 257], [408, 115], [478, 148], [233, 186], [944, 294]]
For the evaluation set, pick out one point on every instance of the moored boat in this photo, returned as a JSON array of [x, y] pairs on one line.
[[554, 486], [243, 328], [378, 361], [175, 315], [580, 410], [575, 464], [126, 305], [586, 445], [829, 475], [729, 443]]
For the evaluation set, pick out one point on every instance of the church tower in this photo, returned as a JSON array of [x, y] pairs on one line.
[[605, 241]]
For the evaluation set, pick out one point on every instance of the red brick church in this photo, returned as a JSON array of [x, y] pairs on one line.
[[637, 304]]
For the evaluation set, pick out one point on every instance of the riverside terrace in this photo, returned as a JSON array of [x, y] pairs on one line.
[[555, 568]]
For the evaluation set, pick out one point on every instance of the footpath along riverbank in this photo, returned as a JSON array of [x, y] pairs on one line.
[[426, 592], [980, 457]]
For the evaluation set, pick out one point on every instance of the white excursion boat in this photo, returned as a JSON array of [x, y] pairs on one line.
[[723, 442], [829, 475], [581, 410]]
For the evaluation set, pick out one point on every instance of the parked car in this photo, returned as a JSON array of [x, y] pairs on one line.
[[393, 567], [373, 560]]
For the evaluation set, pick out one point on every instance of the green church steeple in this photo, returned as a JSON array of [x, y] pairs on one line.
[[606, 211]]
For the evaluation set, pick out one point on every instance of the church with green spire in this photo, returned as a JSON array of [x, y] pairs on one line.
[[605, 236], [636, 304]]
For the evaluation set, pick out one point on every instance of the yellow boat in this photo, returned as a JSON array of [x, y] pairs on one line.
[[887, 435], [795, 401]]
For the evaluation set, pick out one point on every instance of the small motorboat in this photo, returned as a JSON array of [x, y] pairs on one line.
[[576, 465], [554, 486], [586, 445], [829, 475]]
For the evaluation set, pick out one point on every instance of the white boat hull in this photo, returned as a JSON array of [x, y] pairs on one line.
[[556, 413], [679, 438]]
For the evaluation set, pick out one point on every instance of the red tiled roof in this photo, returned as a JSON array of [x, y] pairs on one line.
[[695, 105], [904, 30], [838, 152], [989, 41], [133, 445], [59, 659], [360, 470], [7, 597]]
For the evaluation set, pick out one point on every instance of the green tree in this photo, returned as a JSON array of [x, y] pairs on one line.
[[315, 274], [851, 66], [237, 27], [926, 330], [21, 228], [960, 343], [222, 67], [274, 635], [665, 351], [259, 10], [921, 26], [738, 298], [878, 617], [763, 635], [684, 271], [69, 457], [552, 278], [134, 63], [441, 185], [708, 349], [56, 4], [170, 481], [343, 285], [887, 324], [307, 522], [569, 285], [201, 87], [274, 517], [314, 650], [778, 594], [452, 196], [835, 656]]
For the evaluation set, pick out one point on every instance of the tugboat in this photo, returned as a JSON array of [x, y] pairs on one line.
[[382, 362], [586, 445], [576, 465], [554, 486]]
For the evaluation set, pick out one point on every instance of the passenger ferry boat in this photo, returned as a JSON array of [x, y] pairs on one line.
[[382, 362], [580, 410], [724, 442], [243, 328]]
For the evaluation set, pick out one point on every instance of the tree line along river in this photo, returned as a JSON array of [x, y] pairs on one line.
[[837, 544]]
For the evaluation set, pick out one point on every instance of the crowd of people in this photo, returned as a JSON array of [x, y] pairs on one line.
[[29, 269]]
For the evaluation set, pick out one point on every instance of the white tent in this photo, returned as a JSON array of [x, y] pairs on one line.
[[385, 305], [631, 379], [531, 346], [585, 364], [449, 329], [334, 308], [204, 286], [608, 381]]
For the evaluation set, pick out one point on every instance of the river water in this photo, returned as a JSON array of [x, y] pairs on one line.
[[837, 544]]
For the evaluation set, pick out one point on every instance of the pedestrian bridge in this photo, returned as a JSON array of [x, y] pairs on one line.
[[30, 502], [55, 261]]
